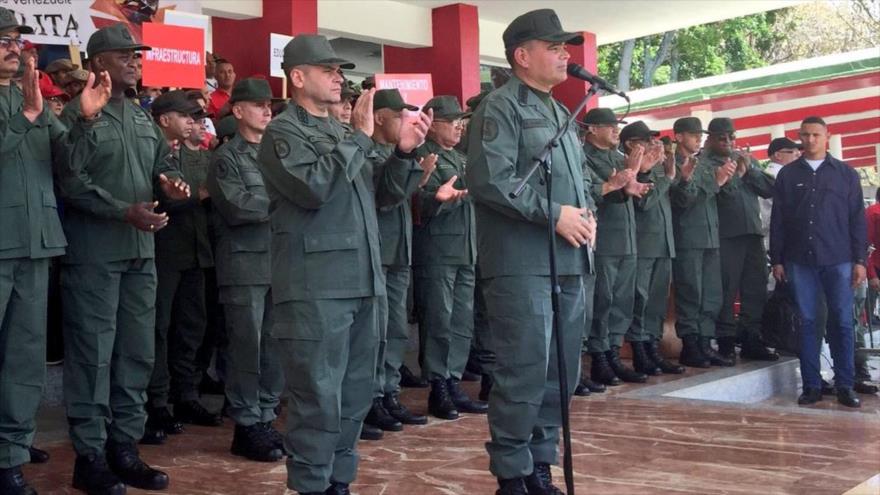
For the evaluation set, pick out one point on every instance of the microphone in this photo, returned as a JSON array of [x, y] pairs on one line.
[[578, 71]]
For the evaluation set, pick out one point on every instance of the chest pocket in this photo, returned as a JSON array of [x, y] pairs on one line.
[[323, 144], [535, 134]]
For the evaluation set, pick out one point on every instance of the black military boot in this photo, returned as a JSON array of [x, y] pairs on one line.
[[38, 456], [623, 372], [12, 482], [754, 348], [462, 402], [337, 488], [125, 462], [160, 423], [727, 348], [514, 486], [410, 380], [380, 418], [398, 411], [652, 347], [92, 475], [486, 382], [715, 359], [863, 387], [586, 387], [643, 363], [193, 412], [540, 482], [848, 398], [691, 354], [274, 435], [439, 401], [254, 442], [601, 372], [370, 432]]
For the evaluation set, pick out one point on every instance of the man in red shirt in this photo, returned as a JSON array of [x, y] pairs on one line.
[[225, 74]]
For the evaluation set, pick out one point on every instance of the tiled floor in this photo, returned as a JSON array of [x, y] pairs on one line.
[[624, 442]]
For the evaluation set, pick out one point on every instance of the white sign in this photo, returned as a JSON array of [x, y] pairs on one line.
[[61, 22], [277, 42]]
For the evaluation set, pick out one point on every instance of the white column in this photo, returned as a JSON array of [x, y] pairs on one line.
[[835, 146]]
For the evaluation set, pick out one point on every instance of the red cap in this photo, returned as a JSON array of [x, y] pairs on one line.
[[50, 90], [28, 45]]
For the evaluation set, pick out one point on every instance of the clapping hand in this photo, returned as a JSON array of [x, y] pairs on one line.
[[175, 188], [30, 87], [448, 193], [95, 97], [414, 130], [428, 164]]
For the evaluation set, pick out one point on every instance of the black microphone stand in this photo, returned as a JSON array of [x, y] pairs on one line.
[[544, 161]]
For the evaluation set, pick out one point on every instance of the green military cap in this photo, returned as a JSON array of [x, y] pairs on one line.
[[175, 101], [688, 124], [637, 130], [721, 125], [113, 38], [349, 90], [474, 101], [81, 75], [542, 24], [445, 108], [311, 49], [601, 116], [251, 90], [59, 65], [8, 22], [226, 127], [390, 98]]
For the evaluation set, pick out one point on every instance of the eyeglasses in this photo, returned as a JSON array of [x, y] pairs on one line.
[[455, 123], [6, 41]]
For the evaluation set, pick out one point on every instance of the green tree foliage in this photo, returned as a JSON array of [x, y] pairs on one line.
[[793, 33]]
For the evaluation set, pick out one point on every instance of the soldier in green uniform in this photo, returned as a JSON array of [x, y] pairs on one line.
[[655, 244], [511, 126], [696, 268], [615, 248], [395, 239], [31, 139], [444, 254], [254, 377], [326, 265], [743, 258], [108, 277], [183, 252]]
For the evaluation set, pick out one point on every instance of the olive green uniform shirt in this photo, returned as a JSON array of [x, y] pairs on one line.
[[739, 210], [447, 233], [183, 244], [511, 126], [240, 214], [695, 207], [395, 219], [29, 224], [116, 160], [654, 216], [616, 221]]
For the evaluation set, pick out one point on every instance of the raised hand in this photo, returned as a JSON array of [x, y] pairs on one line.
[[362, 113], [725, 172], [687, 168], [142, 217], [618, 179], [95, 97], [633, 161], [669, 165], [175, 188], [30, 88], [574, 227], [637, 189], [428, 164], [652, 156], [413, 130], [448, 193]]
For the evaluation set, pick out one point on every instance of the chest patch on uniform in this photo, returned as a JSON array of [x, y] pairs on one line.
[[490, 129], [282, 149], [532, 123]]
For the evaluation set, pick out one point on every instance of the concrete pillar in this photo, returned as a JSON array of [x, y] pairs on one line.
[[573, 90], [453, 60]]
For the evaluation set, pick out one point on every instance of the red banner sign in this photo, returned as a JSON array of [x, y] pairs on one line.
[[416, 89], [177, 58]]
